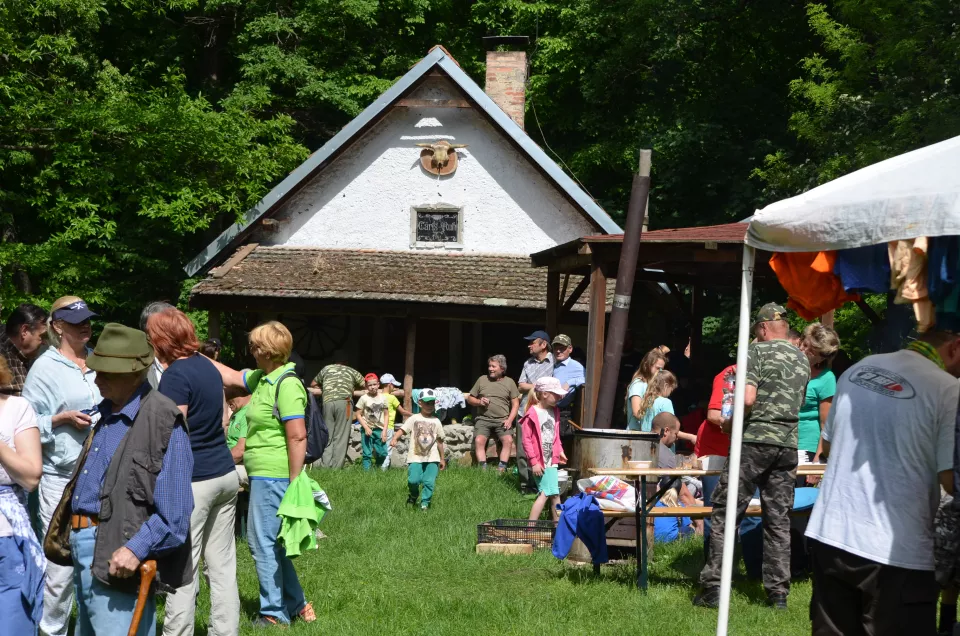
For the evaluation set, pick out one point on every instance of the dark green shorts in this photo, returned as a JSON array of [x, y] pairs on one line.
[[490, 428]]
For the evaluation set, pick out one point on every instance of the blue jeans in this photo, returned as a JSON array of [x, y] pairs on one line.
[[280, 593], [14, 608], [424, 474], [102, 609]]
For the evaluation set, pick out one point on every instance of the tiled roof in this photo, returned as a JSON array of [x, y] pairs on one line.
[[728, 233], [429, 277]]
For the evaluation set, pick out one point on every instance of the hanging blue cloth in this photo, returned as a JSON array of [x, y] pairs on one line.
[[581, 518], [943, 254], [13, 506], [864, 269]]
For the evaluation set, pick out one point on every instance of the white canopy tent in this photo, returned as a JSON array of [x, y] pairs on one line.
[[911, 195]]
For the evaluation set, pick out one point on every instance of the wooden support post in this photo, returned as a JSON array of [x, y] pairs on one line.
[[595, 341], [213, 324], [476, 360], [553, 303], [456, 352], [408, 362], [696, 330], [827, 318]]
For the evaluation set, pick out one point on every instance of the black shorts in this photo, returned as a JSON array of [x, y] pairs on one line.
[[851, 592]]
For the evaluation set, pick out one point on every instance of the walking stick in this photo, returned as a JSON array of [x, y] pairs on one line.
[[148, 570]]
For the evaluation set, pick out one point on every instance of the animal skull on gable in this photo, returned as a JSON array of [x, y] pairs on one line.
[[439, 157]]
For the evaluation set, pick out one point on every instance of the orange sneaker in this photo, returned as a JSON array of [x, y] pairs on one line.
[[307, 615]]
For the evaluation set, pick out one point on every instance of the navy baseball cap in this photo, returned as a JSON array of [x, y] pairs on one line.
[[542, 335], [74, 313]]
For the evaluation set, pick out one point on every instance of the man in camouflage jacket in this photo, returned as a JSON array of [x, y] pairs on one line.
[[777, 375]]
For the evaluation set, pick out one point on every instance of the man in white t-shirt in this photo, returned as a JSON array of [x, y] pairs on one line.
[[890, 443]]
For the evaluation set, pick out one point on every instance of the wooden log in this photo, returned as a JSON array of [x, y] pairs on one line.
[[504, 548]]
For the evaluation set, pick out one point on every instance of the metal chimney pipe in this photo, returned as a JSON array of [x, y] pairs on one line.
[[626, 272]]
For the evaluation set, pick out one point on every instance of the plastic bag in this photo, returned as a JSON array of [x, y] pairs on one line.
[[611, 493]]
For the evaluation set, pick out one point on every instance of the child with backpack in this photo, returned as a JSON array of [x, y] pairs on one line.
[[425, 457], [539, 430]]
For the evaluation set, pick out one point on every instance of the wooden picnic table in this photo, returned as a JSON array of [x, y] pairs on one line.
[[803, 470], [643, 509]]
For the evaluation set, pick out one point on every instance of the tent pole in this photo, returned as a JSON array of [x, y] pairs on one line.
[[736, 438]]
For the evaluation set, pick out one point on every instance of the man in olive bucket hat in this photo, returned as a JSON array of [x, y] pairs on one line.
[[130, 498]]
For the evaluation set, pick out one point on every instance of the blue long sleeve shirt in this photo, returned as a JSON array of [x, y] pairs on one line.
[[166, 528], [571, 373], [53, 385]]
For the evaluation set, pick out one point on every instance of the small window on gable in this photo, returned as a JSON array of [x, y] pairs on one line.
[[438, 225]]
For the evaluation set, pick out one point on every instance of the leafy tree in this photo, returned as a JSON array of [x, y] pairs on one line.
[[109, 175]]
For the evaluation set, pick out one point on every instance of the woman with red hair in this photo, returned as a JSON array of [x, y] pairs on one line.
[[194, 384]]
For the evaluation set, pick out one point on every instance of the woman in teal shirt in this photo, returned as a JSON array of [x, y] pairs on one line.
[[820, 344]]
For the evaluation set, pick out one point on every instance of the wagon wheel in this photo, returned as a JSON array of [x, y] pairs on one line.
[[317, 337]]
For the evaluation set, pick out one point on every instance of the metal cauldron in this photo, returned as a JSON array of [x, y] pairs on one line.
[[612, 448]]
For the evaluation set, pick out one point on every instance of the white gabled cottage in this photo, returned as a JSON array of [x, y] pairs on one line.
[[422, 210]]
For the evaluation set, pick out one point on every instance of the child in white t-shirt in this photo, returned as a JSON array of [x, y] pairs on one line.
[[373, 415], [425, 457], [539, 430]]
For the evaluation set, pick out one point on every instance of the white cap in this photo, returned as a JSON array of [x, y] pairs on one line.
[[387, 378]]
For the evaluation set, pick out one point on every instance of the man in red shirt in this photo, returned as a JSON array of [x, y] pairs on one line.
[[712, 441]]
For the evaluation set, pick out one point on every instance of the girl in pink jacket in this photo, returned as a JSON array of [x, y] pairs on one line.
[[540, 436]]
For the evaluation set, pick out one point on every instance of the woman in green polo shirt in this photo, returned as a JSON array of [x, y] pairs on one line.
[[274, 455], [821, 345]]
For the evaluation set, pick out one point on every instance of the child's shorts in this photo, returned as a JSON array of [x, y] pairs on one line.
[[548, 483]]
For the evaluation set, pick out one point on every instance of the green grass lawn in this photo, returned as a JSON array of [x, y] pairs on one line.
[[389, 569]]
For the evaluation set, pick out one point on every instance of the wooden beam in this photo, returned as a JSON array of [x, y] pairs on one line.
[[432, 103], [681, 301], [570, 263], [234, 260], [595, 334], [563, 288], [213, 324], [408, 362], [868, 311], [696, 330], [575, 295], [553, 303]]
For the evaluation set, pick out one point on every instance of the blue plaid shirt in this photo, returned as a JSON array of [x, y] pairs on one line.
[[166, 528]]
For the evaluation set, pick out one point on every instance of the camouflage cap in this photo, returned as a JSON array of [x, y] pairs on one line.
[[563, 339], [770, 312]]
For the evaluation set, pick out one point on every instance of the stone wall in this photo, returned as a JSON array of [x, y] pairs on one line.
[[459, 444]]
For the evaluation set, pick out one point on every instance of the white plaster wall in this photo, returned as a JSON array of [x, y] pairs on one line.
[[363, 199]]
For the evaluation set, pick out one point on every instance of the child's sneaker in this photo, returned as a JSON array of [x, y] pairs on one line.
[[411, 500], [425, 507]]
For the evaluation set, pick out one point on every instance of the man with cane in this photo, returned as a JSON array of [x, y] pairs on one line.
[[129, 502]]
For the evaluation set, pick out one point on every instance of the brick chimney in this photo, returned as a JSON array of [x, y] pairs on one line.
[[507, 77]]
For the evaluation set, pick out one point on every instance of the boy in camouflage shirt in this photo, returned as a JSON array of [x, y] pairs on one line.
[[777, 375]]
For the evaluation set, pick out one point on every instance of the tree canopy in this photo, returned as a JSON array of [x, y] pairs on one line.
[[131, 132]]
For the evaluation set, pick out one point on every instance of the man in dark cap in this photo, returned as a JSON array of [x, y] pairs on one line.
[[777, 374], [130, 498]]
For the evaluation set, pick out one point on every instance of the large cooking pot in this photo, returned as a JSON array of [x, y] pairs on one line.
[[612, 448]]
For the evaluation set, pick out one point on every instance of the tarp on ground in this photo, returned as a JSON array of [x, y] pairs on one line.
[[911, 195]]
